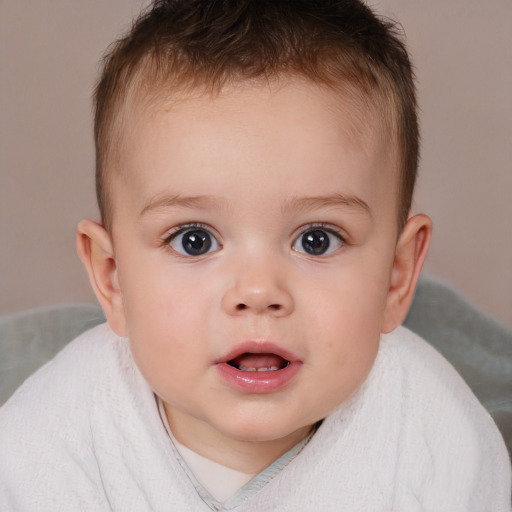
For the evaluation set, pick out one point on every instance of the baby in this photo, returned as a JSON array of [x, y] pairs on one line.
[[255, 259]]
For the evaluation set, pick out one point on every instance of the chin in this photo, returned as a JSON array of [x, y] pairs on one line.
[[261, 429]]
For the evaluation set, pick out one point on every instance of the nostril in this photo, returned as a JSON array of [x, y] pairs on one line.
[[273, 307]]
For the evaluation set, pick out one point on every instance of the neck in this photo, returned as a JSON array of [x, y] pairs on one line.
[[247, 456]]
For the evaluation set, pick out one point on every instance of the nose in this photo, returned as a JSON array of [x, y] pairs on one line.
[[258, 287]]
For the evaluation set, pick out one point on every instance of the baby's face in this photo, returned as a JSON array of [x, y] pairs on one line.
[[254, 236]]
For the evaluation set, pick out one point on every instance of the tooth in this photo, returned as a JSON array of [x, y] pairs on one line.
[[270, 369], [251, 369]]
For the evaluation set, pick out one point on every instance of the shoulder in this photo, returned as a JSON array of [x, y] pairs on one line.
[[429, 383], [73, 370], [455, 442], [59, 391], [45, 427], [424, 371]]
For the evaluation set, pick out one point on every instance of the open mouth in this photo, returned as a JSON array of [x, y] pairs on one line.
[[256, 362], [258, 367]]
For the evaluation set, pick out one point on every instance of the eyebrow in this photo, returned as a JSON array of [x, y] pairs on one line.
[[163, 202], [305, 204], [336, 200]]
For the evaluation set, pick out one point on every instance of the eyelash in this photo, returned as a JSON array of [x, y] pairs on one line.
[[184, 228], [171, 235], [326, 228]]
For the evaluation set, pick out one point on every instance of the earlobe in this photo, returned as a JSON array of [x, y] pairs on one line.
[[411, 252], [95, 248]]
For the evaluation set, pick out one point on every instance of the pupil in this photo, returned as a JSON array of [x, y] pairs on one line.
[[315, 242], [197, 242]]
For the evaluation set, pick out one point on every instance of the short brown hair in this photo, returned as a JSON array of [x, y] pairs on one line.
[[206, 44]]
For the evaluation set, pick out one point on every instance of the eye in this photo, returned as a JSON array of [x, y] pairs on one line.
[[318, 242], [193, 241]]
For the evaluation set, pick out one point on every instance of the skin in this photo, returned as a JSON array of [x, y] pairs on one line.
[[256, 167]]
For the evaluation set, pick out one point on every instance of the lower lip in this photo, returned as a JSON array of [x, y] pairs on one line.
[[258, 382]]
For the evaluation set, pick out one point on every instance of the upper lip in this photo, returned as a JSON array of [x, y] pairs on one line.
[[258, 347]]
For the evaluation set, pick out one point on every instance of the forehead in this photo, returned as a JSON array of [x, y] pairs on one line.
[[271, 130]]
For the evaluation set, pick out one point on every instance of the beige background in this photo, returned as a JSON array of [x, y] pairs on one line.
[[49, 52]]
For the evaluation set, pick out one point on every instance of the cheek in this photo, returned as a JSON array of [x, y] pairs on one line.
[[348, 315], [347, 342], [353, 297], [153, 292], [163, 319], [163, 336]]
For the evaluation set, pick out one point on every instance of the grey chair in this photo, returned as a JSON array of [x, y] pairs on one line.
[[478, 346]]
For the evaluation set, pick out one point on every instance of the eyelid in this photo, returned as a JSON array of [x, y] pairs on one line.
[[321, 226], [182, 228], [325, 226]]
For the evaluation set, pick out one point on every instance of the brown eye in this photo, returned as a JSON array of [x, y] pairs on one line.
[[315, 242], [194, 242], [318, 242]]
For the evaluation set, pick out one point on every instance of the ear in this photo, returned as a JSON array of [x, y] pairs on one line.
[[411, 251], [95, 248]]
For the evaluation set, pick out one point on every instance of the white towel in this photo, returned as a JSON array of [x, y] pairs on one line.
[[84, 434]]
